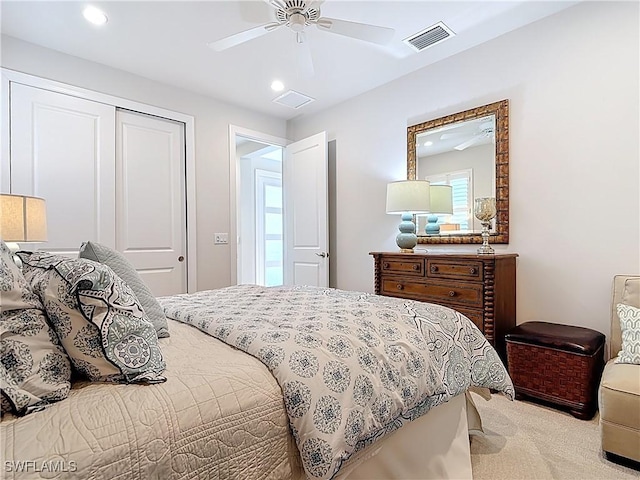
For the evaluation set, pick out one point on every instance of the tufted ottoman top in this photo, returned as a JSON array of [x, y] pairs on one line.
[[581, 340]]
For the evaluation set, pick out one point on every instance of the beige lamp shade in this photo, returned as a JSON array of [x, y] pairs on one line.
[[22, 218], [441, 199], [408, 196]]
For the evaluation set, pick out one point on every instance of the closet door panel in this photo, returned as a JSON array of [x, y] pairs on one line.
[[150, 199], [63, 150]]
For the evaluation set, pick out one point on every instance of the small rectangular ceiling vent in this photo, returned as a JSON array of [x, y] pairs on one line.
[[293, 99], [429, 37]]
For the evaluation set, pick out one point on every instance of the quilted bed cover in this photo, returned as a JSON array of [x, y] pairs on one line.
[[353, 367], [219, 415]]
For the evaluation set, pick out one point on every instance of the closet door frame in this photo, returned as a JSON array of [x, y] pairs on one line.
[[9, 76]]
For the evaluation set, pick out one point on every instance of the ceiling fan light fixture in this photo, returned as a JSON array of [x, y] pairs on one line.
[[297, 22]]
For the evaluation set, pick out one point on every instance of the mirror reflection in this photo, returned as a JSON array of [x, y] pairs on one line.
[[467, 151], [461, 155]]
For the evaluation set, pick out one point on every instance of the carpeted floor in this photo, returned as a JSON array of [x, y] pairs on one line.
[[524, 440]]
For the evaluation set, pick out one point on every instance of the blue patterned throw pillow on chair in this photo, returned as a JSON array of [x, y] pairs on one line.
[[630, 325], [97, 317]]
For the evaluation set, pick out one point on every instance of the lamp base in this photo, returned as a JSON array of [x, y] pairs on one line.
[[432, 227], [407, 238], [13, 248]]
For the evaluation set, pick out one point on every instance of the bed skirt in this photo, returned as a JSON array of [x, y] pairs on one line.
[[435, 446]]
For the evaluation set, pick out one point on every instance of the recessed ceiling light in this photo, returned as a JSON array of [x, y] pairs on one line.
[[95, 15], [277, 86], [428, 144]]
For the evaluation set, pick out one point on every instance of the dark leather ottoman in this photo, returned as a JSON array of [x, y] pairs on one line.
[[560, 364]]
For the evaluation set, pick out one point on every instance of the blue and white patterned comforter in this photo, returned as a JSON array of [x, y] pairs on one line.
[[352, 366]]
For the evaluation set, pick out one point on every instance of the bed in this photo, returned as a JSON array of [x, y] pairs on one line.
[[221, 412]]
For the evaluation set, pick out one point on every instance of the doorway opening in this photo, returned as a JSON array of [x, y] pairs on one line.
[[260, 212]]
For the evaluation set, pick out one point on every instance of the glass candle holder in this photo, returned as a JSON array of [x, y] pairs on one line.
[[485, 211]]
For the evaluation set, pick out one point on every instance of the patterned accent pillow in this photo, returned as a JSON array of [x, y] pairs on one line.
[[97, 317], [630, 325], [123, 268], [34, 368]]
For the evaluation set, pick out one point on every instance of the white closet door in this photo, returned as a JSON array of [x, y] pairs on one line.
[[63, 149], [150, 199]]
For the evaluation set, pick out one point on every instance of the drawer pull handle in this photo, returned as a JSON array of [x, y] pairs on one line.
[[434, 269], [400, 286], [472, 270], [452, 293], [416, 267], [385, 265]]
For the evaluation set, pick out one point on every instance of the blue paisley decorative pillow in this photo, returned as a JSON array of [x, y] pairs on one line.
[[97, 317], [34, 368], [121, 266]]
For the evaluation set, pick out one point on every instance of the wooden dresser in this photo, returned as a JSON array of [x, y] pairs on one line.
[[482, 287]]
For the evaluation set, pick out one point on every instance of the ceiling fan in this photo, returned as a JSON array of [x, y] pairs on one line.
[[485, 130], [297, 15]]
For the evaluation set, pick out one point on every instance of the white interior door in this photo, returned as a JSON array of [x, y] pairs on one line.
[[305, 192], [63, 150], [150, 199]]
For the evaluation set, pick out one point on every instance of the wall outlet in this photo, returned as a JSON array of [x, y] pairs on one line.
[[220, 238]]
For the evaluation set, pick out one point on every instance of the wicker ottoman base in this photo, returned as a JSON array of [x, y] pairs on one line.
[[560, 364]]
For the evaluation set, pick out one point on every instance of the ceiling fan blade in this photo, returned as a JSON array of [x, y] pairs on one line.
[[446, 136], [361, 31], [238, 38], [469, 143], [279, 4]]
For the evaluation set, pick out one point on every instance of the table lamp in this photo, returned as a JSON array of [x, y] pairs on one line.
[[22, 219], [407, 197]]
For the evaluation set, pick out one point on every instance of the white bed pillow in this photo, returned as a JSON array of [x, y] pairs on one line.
[[123, 268], [97, 317], [34, 368]]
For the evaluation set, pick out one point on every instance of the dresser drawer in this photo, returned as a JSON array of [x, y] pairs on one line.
[[410, 266], [468, 270], [443, 293]]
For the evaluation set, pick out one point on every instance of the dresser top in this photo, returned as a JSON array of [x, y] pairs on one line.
[[449, 254]]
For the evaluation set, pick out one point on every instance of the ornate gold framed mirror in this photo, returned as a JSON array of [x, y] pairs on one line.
[[470, 151]]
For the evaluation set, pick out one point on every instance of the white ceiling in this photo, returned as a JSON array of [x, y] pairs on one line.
[[167, 41]]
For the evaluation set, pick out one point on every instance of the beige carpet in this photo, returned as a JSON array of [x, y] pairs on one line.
[[524, 440]]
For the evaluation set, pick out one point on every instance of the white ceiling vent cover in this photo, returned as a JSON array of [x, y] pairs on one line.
[[429, 37], [293, 99]]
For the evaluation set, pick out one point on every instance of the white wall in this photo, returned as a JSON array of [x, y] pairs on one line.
[[572, 82], [212, 119]]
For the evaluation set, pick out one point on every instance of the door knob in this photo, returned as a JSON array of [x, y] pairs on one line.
[[181, 258], [323, 254]]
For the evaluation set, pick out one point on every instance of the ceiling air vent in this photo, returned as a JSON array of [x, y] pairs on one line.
[[429, 37], [293, 99]]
